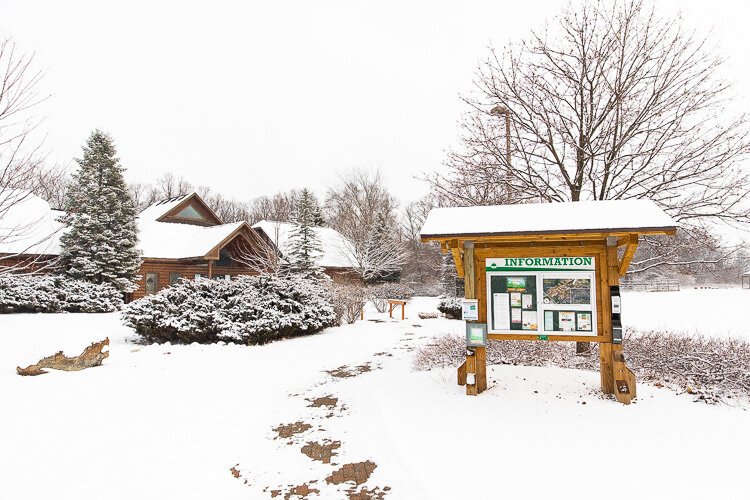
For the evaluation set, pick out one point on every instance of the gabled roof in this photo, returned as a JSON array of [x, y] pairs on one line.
[[161, 240], [610, 216], [170, 207], [337, 250], [161, 237], [28, 225]]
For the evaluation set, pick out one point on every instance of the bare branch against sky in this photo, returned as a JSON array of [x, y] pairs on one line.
[[273, 96]]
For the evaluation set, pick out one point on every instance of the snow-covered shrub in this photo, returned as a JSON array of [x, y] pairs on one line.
[[711, 369], [51, 294], [450, 306], [379, 294], [248, 310], [348, 300]]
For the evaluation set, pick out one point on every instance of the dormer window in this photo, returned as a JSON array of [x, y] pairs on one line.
[[189, 212]]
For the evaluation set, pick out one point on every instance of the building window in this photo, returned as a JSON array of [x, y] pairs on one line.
[[174, 278], [152, 283], [189, 213], [224, 259]]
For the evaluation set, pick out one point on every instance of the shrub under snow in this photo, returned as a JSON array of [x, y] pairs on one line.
[[711, 369], [348, 301], [379, 294], [248, 310], [53, 294], [451, 307]]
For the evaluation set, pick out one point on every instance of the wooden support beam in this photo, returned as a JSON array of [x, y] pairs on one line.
[[470, 290], [481, 369], [462, 374], [628, 255], [458, 260], [471, 368], [476, 363], [606, 368], [624, 378]]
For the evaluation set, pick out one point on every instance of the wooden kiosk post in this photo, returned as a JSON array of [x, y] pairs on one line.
[[548, 272]]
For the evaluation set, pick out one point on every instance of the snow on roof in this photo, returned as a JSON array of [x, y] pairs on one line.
[[28, 225], [164, 240], [336, 248], [539, 218], [158, 209]]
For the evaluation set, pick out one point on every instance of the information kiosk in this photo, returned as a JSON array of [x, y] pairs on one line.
[[546, 272]]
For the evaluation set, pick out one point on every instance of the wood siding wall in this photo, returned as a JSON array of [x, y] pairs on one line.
[[27, 263], [164, 268]]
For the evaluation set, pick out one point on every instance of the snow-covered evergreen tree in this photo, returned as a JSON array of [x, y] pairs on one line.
[[304, 245], [453, 284], [100, 245], [317, 212]]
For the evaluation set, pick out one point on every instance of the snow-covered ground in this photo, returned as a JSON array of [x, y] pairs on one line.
[[723, 312], [169, 421]]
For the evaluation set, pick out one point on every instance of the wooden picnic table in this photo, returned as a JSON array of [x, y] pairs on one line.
[[396, 302]]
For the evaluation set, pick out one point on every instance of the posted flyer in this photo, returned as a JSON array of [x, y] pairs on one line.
[[567, 321], [529, 320], [584, 321], [501, 311]]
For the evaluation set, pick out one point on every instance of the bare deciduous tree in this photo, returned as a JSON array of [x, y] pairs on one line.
[[51, 185], [610, 102], [361, 208], [277, 208], [423, 262], [19, 158], [260, 254]]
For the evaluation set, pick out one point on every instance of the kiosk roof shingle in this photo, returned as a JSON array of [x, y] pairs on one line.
[[548, 218]]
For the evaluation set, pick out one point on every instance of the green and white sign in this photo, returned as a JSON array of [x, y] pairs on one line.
[[542, 296], [476, 334], [541, 264]]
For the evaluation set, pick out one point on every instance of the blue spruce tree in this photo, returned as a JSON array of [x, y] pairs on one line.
[[100, 245]]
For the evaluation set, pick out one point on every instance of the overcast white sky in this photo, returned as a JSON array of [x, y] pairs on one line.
[[252, 99]]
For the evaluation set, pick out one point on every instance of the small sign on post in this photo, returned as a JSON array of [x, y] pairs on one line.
[[470, 309], [476, 334]]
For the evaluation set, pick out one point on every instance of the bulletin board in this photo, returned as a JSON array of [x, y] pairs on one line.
[[542, 296]]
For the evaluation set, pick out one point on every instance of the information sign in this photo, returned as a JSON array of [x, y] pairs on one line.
[[476, 334], [470, 309], [541, 296]]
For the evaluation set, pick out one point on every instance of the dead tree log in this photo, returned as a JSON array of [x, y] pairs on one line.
[[91, 356]]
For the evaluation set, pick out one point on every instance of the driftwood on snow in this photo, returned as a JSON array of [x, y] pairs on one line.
[[91, 356]]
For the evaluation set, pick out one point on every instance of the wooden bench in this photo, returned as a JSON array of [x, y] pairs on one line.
[[396, 302]]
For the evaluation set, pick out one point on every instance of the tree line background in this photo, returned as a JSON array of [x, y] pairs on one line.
[[608, 100]]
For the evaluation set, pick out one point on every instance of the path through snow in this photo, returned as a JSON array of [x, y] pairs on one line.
[[194, 421]]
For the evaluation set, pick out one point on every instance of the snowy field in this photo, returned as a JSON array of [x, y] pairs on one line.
[[191, 421], [722, 313]]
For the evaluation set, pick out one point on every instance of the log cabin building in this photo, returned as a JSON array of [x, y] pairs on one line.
[[178, 237]]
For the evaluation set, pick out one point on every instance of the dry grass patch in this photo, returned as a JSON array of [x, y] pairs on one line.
[[711, 369]]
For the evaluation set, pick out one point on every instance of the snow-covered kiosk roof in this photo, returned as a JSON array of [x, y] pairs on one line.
[[337, 250], [547, 272], [611, 217]]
